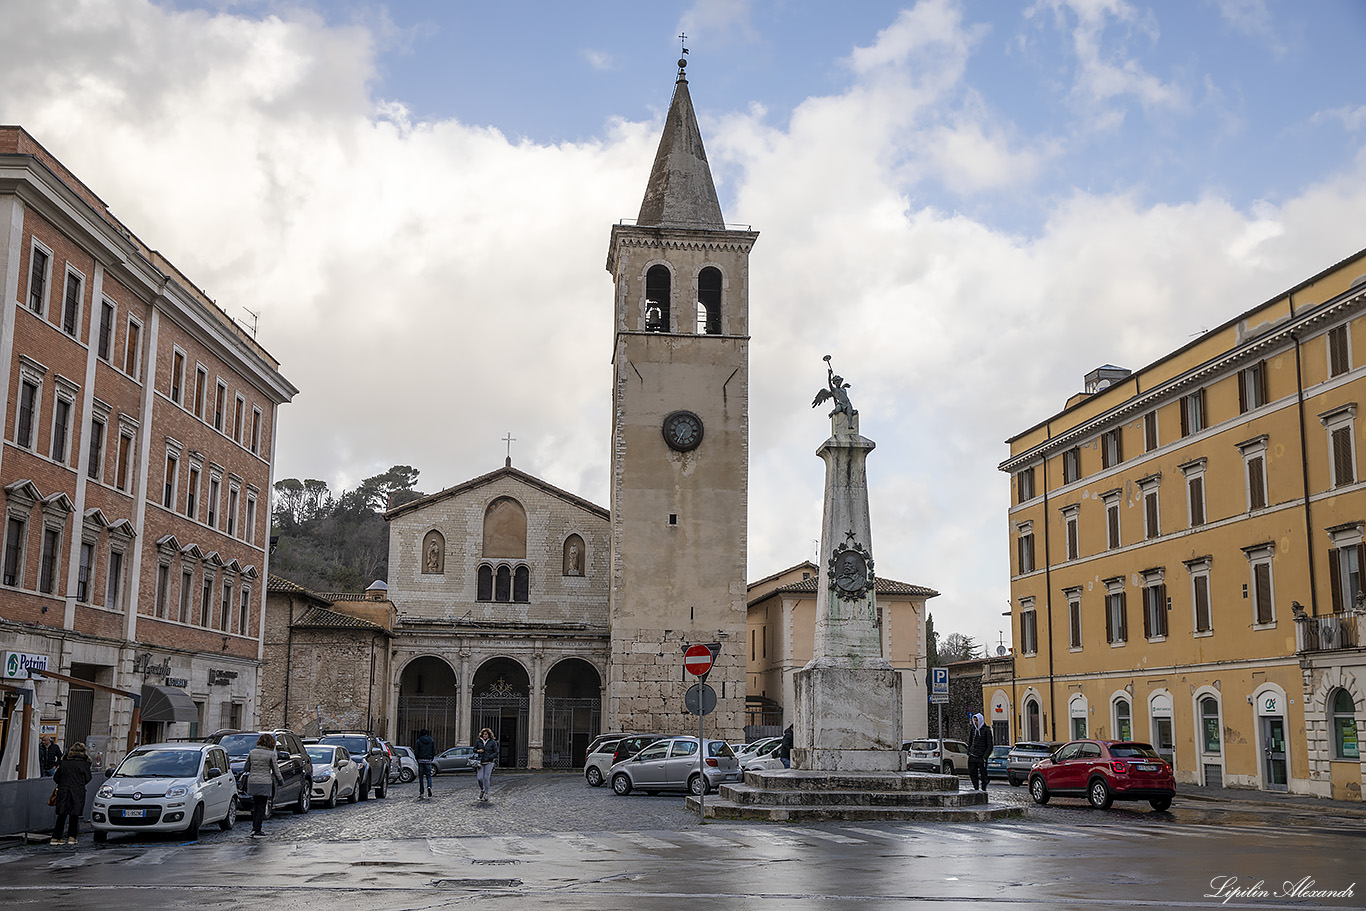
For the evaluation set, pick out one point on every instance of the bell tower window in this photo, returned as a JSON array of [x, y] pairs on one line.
[[657, 292], [709, 301]]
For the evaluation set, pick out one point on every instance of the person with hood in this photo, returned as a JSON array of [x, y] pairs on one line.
[[980, 745], [486, 751], [71, 777], [785, 749], [424, 751], [263, 774]]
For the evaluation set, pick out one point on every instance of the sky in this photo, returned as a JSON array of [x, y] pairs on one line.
[[968, 205]]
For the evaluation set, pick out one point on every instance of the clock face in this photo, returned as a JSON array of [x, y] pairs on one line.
[[683, 431]]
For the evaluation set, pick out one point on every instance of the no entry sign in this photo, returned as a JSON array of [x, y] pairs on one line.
[[697, 660]]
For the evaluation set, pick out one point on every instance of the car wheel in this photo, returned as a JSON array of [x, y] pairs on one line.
[[196, 820], [1161, 803], [352, 797], [1038, 790], [594, 776], [947, 768], [406, 776], [364, 788], [1098, 794], [332, 797], [697, 786], [227, 822], [100, 837], [305, 799], [382, 789], [621, 785]]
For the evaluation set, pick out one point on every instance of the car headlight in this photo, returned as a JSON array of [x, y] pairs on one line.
[[325, 775], [178, 791], [106, 792]]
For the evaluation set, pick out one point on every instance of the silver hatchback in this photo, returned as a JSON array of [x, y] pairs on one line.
[[673, 765]]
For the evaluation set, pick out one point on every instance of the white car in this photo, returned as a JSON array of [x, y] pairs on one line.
[[404, 768], [763, 758], [335, 773], [752, 748], [598, 761], [167, 787]]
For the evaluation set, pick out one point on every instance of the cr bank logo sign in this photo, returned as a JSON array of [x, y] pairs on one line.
[[17, 664]]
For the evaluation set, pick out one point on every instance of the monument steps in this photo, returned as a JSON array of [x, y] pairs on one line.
[[748, 796], [720, 808]]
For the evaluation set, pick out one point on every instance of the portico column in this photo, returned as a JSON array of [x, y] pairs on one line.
[[464, 699], [537, 723]]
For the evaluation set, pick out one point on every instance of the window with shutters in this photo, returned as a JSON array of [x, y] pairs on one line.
[[206, 602], [239, 409], [192, 493], [1194, 472], [1200, 604], [47, 560], [1029, 630], [95, 463], [106, 341], [1111, 500], [1254, 464], [1252, 387], [1339, 357], [16, 539], [61, 427], [1024, 546], [1111, 448], [1345, 560], [186, 593], [220, 398], [201, 382], [1154, 606], [71, 304], [177, 376], [1260, 588], [124, 463], [1340, 422], [225, 611], [40, 259], [1193, 413], [1152, 519], [1070, 520], [1150, 431], [215, 486], [28, 405], [1116, 612], [168, 484], [1024, 484], [132, 348], [256, 430], [1071, 465], [163, 592], [1073, 618], [85, 571]]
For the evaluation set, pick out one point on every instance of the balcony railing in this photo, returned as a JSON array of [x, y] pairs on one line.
[[1322, 634]]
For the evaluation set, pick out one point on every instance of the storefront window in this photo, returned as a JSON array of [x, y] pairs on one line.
[[1345, 727], [1124, 729], [1209, 723]]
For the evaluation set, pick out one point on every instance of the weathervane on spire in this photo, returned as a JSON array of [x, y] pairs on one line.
[[683, 60]]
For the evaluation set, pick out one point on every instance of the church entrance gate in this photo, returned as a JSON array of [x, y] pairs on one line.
[[570, 725], [506, 714]]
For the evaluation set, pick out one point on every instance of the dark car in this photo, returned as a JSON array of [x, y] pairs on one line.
[[370, 755], [631, 744], [1022, 757], [295, 767], [456, 759], [1104, 771], [996, 762]]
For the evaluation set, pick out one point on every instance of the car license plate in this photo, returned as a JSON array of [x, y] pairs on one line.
[[134, 814], [1147, 767]]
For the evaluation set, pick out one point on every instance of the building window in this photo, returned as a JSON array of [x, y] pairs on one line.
[[1074, 618], [256, 431], [709, 301], [1344, 460], [1193, 413], [1210, 729], [1339, 358], [206, 603], [232, 510], [249, 523], [163, 594], [1154, 607], [213, 502], [657, 296], [132, 348], [1071, 465], [1029, 631], [71, 308], [1111, 501], [16, 531], [177, 376], [61, 428], [1252, 387], [1111, 448], [168, 488], [1262, 591], [1069, 518], [123, 464], [244, 613], [1195, 492], [1152, 519], [191, 493], [1345, 561], [226, 613], [220, 398], [1345, 744], [85, 571], [96, 458], [502, 584], [106, 330], [1025, 548], [201, 381], [1124, 726], [37, 279], [28, 404], [521, 585], [114, 590], [485, 592], [1200, 603], [1024, 484], [238, 409], [47, 560], [1150, 431], [1116, 613], [186, 593]]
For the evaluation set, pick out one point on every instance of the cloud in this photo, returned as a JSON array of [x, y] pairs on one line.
[[598, 60], [1351, 118], [718, 23], [431, 286]]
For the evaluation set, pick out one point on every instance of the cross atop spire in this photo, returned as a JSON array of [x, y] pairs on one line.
[[681, 192], [509, 439]]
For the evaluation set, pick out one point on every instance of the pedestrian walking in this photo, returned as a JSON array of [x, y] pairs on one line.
[[263, 774], [980, 744], [486, 750], [49, 754], [424, 751], [785, 751], [68, 796]]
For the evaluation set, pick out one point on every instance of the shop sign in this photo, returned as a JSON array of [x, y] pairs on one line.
[[48, 727], [1268, 704], [17, 664], [218, 677], [181, 682], [143, 664]]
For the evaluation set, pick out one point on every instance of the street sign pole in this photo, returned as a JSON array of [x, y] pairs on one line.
[[697, 660]]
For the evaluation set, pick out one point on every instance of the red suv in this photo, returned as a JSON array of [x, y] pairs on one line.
[[1104, 771]]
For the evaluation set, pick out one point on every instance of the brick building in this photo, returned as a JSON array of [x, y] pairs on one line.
[[139, 429]]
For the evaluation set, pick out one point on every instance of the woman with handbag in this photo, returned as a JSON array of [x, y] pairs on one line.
[[68, 797], [263, 774]]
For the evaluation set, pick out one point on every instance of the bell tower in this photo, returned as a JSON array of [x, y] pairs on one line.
[[680, 441]]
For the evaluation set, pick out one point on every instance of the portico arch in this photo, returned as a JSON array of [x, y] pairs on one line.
[[573, 712], [501, 701], [428, 698]]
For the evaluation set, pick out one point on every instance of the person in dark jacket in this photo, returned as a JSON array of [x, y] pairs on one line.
[[980, 744], [424, 751], [71, 777], [785, 751], [49, 754], [263, 774], [486, 751]]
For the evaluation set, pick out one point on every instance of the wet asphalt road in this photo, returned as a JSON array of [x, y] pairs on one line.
[[548, 840]]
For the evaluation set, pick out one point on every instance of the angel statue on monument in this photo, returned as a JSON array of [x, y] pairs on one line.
[[835, 390]]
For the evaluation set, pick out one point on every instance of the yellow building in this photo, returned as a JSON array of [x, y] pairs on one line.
[[1186, 550], [780, 640]]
